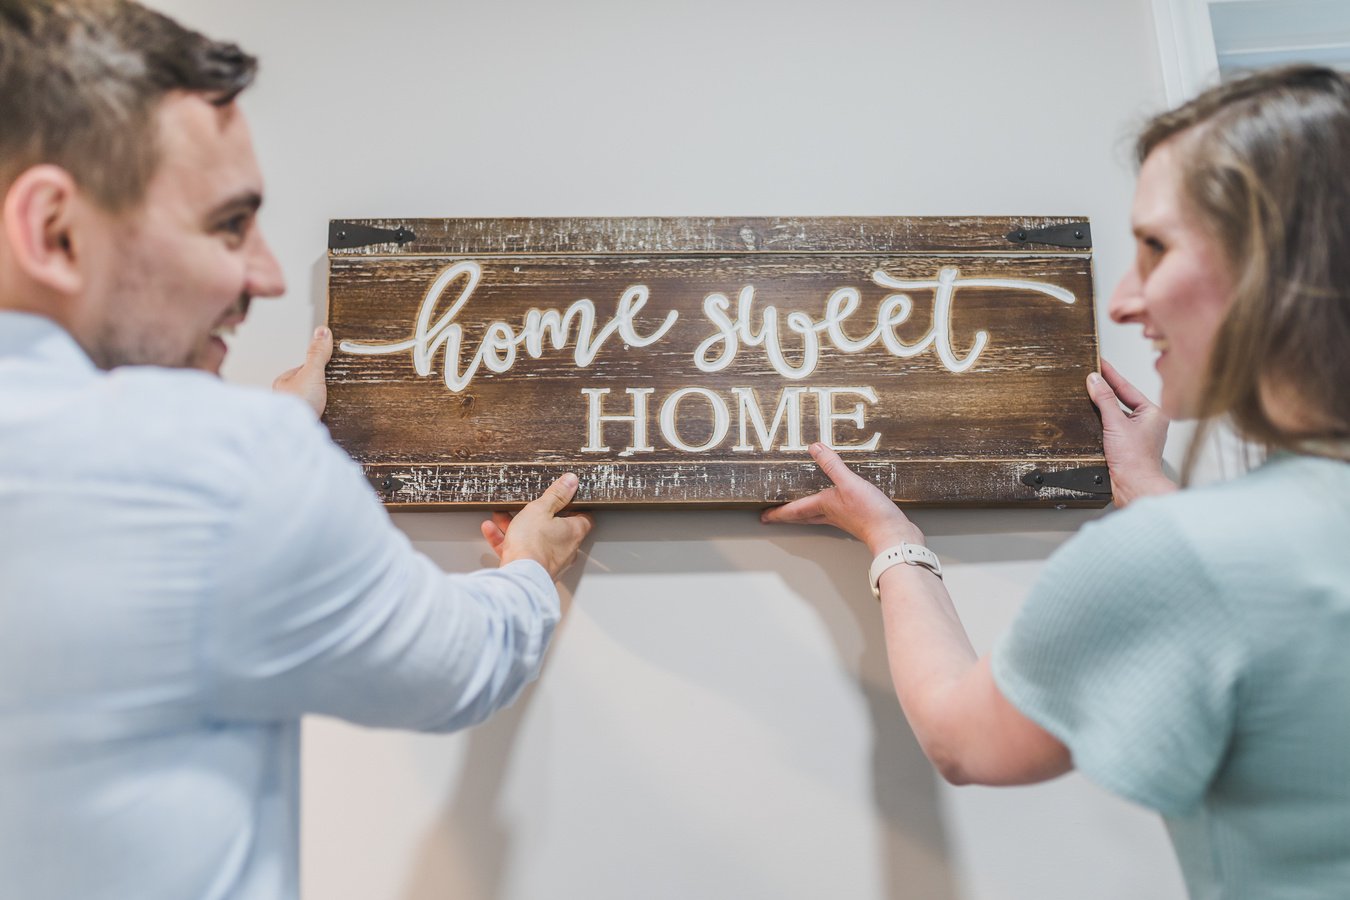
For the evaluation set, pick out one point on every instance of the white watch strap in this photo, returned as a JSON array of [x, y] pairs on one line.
[[910, 554]]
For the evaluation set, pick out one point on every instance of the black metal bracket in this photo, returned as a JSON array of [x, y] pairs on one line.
[[1074, 235], [347, 235], [384, 483], [1086, 480]]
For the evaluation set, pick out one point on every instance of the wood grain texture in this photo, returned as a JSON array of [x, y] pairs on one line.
[[945, 438], [727, 234]]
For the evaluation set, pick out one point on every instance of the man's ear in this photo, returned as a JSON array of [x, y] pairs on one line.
[[39, 213]]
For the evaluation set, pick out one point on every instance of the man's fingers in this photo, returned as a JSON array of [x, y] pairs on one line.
[[584, 522], [1130, 395], [279, 382], [502, 520], [579, 525], [493, 535], [560, 493]]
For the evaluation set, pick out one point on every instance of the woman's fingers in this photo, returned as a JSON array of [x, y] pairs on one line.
[[1106, 400], [1130, 395], [798, 511], [831, 464]]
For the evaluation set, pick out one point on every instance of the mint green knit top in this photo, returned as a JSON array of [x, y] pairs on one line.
[[1193, 653]]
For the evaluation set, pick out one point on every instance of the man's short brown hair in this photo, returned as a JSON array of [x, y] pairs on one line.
[[80, 81]]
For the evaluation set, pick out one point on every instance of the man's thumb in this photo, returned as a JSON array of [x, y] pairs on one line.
[[320, 348], [560, 493]]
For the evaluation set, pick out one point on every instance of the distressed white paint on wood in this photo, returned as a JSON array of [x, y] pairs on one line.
[[923, 341]]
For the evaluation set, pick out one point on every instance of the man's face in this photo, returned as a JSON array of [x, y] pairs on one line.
[[178, 271]]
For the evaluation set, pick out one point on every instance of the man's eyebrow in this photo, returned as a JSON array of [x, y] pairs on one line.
[[248, 201]]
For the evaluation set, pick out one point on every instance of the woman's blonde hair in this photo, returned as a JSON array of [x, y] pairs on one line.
[[1266, 169]]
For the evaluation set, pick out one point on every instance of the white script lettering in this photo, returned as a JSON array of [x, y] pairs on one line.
[[497, 351], [893, 310]]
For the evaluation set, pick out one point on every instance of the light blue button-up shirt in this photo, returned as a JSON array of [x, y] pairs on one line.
[[187, 568]]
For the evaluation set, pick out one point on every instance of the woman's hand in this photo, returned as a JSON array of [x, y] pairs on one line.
[[854, 505], [1133, 439], [963, 722]]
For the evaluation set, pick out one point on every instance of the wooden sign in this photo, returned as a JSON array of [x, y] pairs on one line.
[[691, 361]]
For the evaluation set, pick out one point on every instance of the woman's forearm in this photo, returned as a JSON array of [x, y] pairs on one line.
[[929, 655], [964, 724]]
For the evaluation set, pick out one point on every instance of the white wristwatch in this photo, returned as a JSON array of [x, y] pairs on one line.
[[910, 554]]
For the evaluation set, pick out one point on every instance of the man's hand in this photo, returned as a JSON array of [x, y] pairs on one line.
[[541, 531], [306, 380], [1133, 440], [854, 505]]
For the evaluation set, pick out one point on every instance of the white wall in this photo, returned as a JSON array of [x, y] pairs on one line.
[[715, 719]]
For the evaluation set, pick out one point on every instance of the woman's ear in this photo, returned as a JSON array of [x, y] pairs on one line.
[[39, 215]]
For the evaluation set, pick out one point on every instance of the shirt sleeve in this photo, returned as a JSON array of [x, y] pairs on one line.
[[325, 607], [1126, 653]]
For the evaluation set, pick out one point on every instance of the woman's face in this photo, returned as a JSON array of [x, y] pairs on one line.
[[1179, 287]]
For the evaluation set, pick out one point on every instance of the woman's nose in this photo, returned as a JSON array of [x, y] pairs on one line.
[[1127, 301]]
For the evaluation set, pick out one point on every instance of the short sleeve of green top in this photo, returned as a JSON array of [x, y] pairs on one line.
[[1193, 653], [1126, 652]]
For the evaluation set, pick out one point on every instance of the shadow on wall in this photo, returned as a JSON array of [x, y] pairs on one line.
[[912, 843], [822, 566], [475, 866]]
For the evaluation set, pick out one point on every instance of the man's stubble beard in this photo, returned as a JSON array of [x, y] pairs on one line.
[[128, 334]]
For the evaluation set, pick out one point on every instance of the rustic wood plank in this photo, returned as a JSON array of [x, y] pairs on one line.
[[920, 483], [959, 405], [727, 234]]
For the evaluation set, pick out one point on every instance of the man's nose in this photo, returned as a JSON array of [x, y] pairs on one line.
[[265, 278], [1127, 301]]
